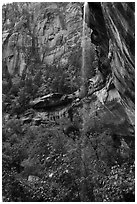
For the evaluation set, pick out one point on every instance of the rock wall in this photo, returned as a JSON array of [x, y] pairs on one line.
[[52, 34], [120, 21], [46, 33], [116, 21]]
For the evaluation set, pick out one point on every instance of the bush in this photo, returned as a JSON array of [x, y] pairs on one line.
[[118, 186]]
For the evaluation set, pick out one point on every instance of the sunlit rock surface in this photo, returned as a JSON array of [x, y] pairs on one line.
[[116, 21], [50, 36], [121, 27]]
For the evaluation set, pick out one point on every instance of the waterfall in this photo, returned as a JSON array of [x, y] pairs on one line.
[[83, 44], [84, 91], [87, 54]]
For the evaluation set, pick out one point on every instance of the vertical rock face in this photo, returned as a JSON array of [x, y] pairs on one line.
[[120, 21], [51, 34], [116, 21], [46, 33], [95, 20]]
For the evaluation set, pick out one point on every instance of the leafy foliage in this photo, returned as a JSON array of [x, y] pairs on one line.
[[119, 185], [56, 160]]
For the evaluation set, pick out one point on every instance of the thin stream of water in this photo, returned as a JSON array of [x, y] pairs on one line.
[[83, 45], [84, 112]]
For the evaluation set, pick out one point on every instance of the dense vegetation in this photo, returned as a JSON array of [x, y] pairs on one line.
[[40, 163]]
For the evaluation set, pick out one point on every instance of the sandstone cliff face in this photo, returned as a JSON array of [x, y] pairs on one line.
[[46, 32], [116, 21], [41, 34], [120, 21]]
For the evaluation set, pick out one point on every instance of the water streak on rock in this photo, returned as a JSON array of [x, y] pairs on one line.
[[84, 73]]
